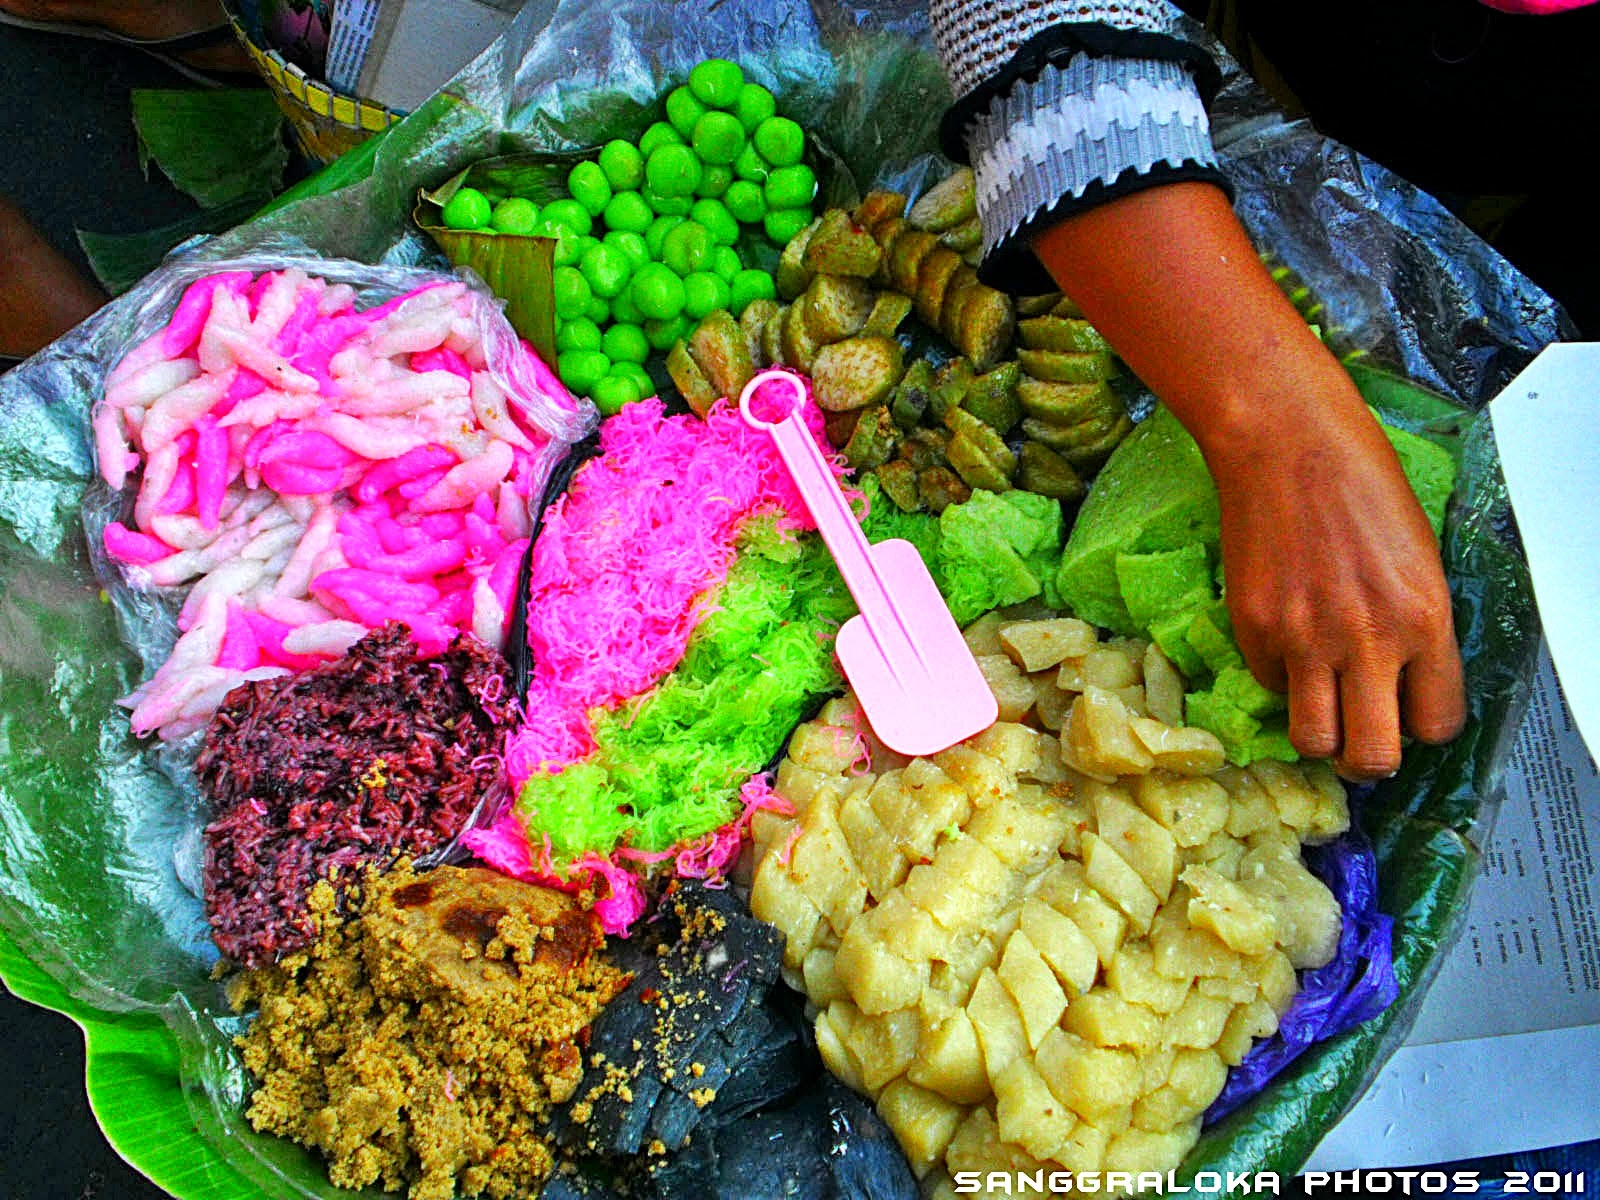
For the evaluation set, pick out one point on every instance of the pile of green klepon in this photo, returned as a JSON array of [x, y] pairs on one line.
[[652, 234]]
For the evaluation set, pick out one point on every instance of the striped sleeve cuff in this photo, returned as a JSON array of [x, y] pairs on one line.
[[1074, 136]]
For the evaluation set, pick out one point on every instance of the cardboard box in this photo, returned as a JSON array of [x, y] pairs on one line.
[[399, 52]]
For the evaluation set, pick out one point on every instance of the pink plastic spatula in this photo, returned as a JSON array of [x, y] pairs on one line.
[[912, 671]]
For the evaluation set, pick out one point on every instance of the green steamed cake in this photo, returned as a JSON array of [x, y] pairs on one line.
[[1154, 494]]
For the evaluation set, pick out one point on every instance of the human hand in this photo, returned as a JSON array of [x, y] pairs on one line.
[[1333, 574], [1334, 582]]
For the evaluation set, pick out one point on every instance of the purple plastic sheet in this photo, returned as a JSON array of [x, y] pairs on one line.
[[1358, 984]]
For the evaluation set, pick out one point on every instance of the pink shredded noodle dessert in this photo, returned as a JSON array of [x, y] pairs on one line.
[[622, 572], [309, 471]]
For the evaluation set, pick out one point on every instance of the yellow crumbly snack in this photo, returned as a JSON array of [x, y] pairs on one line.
[[421, 1041], [1044, 947]]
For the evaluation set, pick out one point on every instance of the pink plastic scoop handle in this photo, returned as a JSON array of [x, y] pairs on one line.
[[837, 524]]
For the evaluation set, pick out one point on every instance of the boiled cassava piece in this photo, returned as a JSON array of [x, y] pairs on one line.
[[1045, 947]]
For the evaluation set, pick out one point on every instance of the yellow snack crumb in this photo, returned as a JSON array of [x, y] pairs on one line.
[[422, 1041]]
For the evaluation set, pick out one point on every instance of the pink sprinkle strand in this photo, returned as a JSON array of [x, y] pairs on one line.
[[620, 576], [643, 531]]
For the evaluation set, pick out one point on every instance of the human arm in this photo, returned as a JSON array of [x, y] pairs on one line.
[[1334, 579]]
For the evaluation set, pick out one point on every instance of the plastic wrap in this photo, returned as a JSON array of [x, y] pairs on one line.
[[149, 612], [88, 822]]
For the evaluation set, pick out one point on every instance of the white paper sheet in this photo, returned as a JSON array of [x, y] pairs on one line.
[[1547, 428], [1505, 1054], [349, 40]]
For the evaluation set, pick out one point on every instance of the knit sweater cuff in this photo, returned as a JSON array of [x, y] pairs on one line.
[[1074, 136]]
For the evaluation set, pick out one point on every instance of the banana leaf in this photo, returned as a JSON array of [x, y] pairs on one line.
[[96, 839]]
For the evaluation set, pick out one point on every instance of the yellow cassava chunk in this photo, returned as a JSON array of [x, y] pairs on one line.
[[1306, 912], [831, 1026], [1035, 645], [923, 1122], [1116, 880], [985, 778], [878, 978], [1310, 800], [1027, 1113], [799, 784], [1033, 986], [884, 1044], [1133, 976], [997, 1023], [1111, 667], [1192, 810], [1227, 910], [823, 985], [978, 1147], [1014, 746], [911, 932], [1093, 1081], [1051, 704], [1146, 846], [1247, 1022], [1065, 947], [1142, 1150], [1163, 686], [1274, 975], [963, 888], [825, 748], [1067, 889], [965, 957], [1097, 738], [949, 1060], [1013, 691], [1084, 1150], [1198, 1022], [926, 804], [873, 848], [1196, 1080], [769, 828], [1023, 829], [823, 867], [1050, 769], [1180, 951], [1250, 808], [1188, 749], [1103, 1018], [777, 899], [983, 635]]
